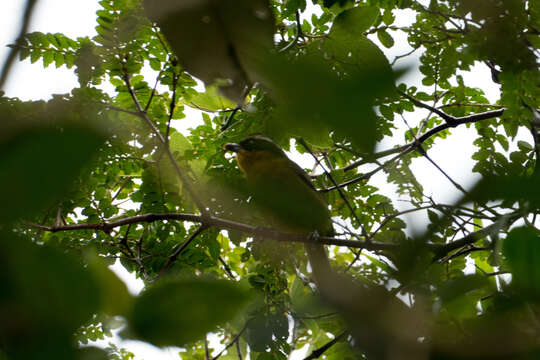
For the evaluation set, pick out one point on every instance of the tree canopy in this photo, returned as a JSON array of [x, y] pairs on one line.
[[93, 177]]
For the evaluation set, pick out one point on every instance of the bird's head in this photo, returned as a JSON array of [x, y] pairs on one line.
[[257, 155], [255, 143]]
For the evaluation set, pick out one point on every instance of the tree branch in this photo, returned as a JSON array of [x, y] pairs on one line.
[[164, 144], [341, 193], [186, 243], [315, 354], [233, 341], [368, 175], [445, 116], [25, 23], [451, 122], [219, 223], [206, 221]]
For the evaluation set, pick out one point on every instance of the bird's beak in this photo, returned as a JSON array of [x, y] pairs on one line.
[[232, 147]]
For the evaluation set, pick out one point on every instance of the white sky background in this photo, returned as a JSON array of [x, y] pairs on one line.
[[76, 18]]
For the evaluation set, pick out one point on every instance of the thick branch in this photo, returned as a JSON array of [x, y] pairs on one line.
[[269, 233], [210, 221], [108, 226]]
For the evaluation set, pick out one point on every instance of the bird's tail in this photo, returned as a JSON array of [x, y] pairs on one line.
[[320, 266]]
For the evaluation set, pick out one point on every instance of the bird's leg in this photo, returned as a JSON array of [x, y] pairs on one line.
[[314, 236]]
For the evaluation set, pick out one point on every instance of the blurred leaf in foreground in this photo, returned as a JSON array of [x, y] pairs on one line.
[[228, 34], [176, 312], [522, 251], [38, 284]]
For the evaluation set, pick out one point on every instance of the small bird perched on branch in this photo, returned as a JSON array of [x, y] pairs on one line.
[[285, 193]]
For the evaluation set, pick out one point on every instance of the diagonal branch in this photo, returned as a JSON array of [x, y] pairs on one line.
[[367, 176], [233, 341], [451, 122], [165, 147], [341, 193], [178, 251], [25, 23], [317, 353], [445, 116]]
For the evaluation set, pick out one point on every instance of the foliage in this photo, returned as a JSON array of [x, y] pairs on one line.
[[92, 177]]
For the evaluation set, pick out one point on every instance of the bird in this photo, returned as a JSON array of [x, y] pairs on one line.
[[285, 194]]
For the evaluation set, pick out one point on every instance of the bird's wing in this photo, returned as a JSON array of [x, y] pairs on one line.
[[302, 174]]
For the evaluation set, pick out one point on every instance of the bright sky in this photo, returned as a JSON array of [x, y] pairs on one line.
[[77, 19]]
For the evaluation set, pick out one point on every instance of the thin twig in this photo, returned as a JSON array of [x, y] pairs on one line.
[[297, 34], [458, 186], [124, 183], [422, 138], [164, 144], [227, 268], [206, 350], [174, 256], [153, 93], [315, 354], [445, 116], [172, 107], [334, 182], [25, 23], [368, 175], [233, 341], [403, 55]]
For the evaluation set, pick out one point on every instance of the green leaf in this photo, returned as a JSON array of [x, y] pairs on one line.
[[48, 57], [292, 5], [234, 33], [313, 100], [49, 292], [62, 40], [115, 298], [330, 3], [70, 60], [35, 55], [155, 64], [59, 59], [509, 188], [211, 100], [433, 217], [177, 312], [524, 146], [521, 249], [385, 38], [388, 17], [460, 295], [356, 20], [263, 330], [39, 163], [53, 41], [179, 143]]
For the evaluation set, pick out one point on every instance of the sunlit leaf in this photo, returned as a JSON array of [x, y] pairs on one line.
[[211, 100]]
